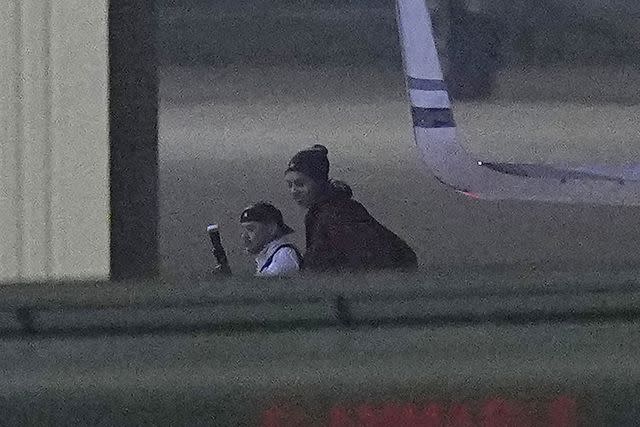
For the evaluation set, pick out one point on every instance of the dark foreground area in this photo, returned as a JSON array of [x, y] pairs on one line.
[[479, 348]]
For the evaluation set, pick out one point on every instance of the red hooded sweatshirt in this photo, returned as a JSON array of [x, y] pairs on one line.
[[342, 236]]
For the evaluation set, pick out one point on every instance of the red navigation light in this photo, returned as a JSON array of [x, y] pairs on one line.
[[471, 195]]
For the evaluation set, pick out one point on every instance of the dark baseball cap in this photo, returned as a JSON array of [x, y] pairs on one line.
[[266, 213]]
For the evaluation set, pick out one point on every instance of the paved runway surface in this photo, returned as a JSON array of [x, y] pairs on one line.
[[227, 133]]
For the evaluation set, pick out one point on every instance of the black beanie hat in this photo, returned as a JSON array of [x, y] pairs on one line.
[[312, 162]]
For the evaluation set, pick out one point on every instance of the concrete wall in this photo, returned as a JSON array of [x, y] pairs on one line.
[[54, 140]]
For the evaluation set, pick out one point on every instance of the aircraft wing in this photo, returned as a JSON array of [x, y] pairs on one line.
[[435, 134]]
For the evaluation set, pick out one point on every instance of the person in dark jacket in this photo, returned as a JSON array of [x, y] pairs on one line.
[[340, 234]]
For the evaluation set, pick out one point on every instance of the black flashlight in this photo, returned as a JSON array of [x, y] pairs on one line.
[[218, 249]]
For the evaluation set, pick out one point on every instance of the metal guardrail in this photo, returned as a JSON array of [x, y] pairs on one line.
[[292, 308]]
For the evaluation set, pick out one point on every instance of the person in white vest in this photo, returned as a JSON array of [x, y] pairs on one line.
[[264, 235]]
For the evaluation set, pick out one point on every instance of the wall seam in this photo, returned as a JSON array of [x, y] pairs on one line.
[[19, 151], [48, 140]]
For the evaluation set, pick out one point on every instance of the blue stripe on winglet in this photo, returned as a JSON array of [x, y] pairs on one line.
[[432, 117], [426, 84]]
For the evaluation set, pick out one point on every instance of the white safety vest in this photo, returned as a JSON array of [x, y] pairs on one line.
[[278, 258]]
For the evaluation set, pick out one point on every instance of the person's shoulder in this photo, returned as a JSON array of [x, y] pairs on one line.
[[285, 261], [343, 208], [287, 247], [287, 254]]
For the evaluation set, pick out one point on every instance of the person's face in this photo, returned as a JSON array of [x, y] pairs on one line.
[[304, 190], [256, 235]]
